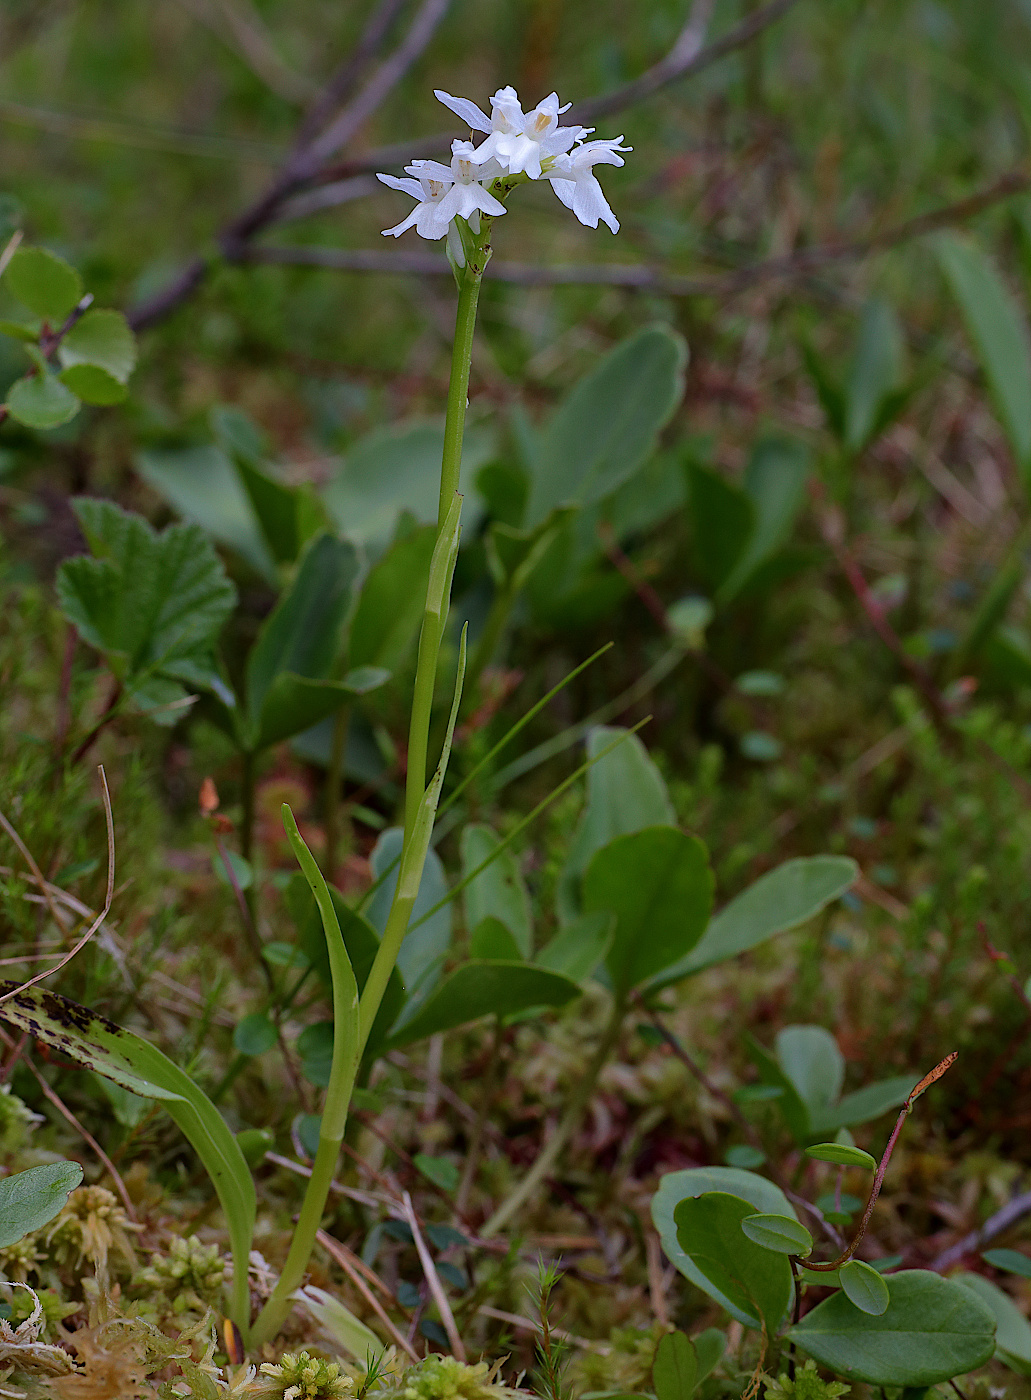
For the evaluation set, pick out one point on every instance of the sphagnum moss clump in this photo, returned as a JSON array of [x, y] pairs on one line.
[[301, 1376]]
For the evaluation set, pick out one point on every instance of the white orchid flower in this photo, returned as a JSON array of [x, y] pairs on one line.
[[520, 142], [445, 193], [574, 181]]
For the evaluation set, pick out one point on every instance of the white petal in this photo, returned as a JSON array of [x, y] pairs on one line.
[[399, 229], [452, 203], [454, 243], [462, 107], [411, 187], [483, 199], [590, 204], [486, 151], [523, 155], [506, 112], [430, 170], [429, 224], [565, 189]]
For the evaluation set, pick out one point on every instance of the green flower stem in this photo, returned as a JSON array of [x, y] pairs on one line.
[[567, 1126], [458, 390]]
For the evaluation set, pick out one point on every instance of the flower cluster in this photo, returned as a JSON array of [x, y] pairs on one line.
[[528, 144]]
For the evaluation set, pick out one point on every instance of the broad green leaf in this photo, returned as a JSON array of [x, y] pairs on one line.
[[393, 597], [709, 1347], [41, 401], [932, 1329], [723, 523], [294, 704], [774, 482], [422, 954], [29, 1199], [788, 896], [830, 393], [792, 1106], [625, 792], [43, 282], [203, 485], [440, 1170], [151, 602], [499, 892], [496, 988], [1009, 1259], [90, 1039], [22, 330], [1012, 1329], [659, 884], [675, 1187], [93, 385], [342, 1325], [842, 1155], [875, 373], [608, 424], [302, 635], [864, 1287], [398, 469], [512, 554], [492, 940], [675, 1368], [578, 949], [998, 328], [756, 1280], [102, 339], [276, 508], [254, 1035], [812, 1062], [865, 1104], [778, 1233]]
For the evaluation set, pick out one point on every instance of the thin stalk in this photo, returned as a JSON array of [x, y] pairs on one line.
[[247, 803], [567, 1125], [458, 393], [334, 783]]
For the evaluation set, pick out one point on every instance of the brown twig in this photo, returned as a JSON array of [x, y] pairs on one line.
[[976, 1240], [875, 1190]]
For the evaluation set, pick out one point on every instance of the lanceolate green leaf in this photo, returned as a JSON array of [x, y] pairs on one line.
[[998, 329], [780, 900], [94, 1041], [932, 1329], [29, 1199]]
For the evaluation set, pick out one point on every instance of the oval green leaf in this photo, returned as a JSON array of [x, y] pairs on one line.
[[778, 1233], [675, 1368], [1009, 1259], [675, 1187], [756, 1280], [841, 1155], [1012, 1329], [93, 385], [43, 282], [254, 1034], [29, 1199], [41, 401], [932, 1329], [864, 1287], [102, 339], [487, 988]]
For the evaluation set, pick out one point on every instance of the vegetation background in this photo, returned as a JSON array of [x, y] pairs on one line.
[[790, 209]]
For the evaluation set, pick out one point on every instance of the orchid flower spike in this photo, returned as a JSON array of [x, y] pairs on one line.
[[531, 144]]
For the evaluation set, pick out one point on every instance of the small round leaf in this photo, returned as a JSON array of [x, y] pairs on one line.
[[779, 1233], [841, 1155], [254, 1034], [744, 1155], [93, 385], [41, 401], [1009, 1259], [43, 282], [864, 1287], [103, 338]]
